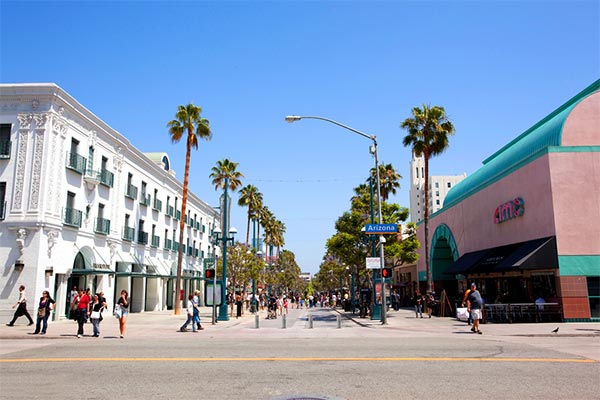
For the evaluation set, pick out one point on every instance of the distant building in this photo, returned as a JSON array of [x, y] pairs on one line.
[[81, 206], [439, 186], [305, 276]]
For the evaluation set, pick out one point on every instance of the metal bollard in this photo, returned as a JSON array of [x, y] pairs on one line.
[[339, 321], [310, 324], [256, 323], [283, 321]]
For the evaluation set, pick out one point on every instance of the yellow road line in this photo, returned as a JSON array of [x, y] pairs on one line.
[[298, 359]]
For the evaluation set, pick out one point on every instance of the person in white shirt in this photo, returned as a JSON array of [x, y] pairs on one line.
[[21, 306]]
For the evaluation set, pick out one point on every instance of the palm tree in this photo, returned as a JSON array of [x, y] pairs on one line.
[[226, 169], [389, 179], [188, 121], [428, 131], [250, 197]]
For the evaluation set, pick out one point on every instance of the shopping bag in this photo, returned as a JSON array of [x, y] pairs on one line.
[[462, 314], [117, 312]]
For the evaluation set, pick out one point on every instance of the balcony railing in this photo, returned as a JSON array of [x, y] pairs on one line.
[[175, 246], [128, 234], [5, 149], [76, 162], [2, 211], [72, 217], [196, 253], [107, 178], [190, 251], [142, 237], [145, 199], [155, 241], [170, 211], [168, 244], [157, 205], [178, 215], [131, 191], [102, 226]]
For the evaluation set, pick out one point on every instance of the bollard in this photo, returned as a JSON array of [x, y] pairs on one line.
[[256, 321], [339, 321], [283, 321], [310, 324]]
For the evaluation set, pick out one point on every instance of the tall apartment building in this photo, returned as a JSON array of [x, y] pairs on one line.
[[81, 206], [439, 186]]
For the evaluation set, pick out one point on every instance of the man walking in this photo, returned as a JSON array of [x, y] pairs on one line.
[[474, 305], [21, 306]]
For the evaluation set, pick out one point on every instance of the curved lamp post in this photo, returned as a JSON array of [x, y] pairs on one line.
[[219, 237], [373, 150]]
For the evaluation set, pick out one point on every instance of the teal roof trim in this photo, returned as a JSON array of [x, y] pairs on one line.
[[525, 148]]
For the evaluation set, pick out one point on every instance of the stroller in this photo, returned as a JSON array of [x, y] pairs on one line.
[[272, 308]]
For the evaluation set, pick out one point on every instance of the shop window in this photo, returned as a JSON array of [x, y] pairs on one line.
[[593, 284]]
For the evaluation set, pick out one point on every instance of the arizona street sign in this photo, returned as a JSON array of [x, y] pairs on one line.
[[380, 229]]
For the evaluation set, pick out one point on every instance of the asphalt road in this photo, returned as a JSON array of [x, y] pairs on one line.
[[354, 362]]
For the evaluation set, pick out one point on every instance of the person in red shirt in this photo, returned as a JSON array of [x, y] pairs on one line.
[[83, 307]]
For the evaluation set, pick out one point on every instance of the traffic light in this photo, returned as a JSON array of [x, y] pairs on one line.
[[386, 273], [209, 273]]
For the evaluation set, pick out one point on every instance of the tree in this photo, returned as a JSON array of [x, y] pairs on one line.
[[250, 197], [428, 131], [188, 121], [390, 180], [226, 169]]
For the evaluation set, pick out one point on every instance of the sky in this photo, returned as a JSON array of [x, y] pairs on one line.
[[497, 67]]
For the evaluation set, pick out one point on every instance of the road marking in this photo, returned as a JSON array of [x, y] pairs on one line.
[[298, 359]]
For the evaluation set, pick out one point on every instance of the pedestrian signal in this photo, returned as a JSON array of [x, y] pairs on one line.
[[209, 273], [386, 273]]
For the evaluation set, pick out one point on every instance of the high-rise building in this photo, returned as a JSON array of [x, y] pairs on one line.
[[439, 186]]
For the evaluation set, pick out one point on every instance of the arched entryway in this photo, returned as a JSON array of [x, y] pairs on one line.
[[443, 254]]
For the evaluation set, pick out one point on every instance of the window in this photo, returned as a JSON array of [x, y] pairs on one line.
[[437, 202], [142, 235], [437, 193], [2, 200], [106, 177], [90, 161], [449, 184], [102, 225], [131, 191], [128, 232], [75, 162], [417, 170], [71, 216], [144, 198], [5, 142], [437, 185]]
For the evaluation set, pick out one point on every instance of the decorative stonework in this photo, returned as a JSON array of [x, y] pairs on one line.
[[59, 125], [20, 171], [36, 174], [52, 239], [92, 139], [21, 236], [112, 246], [40, 120], [35, 103], [25, 120]]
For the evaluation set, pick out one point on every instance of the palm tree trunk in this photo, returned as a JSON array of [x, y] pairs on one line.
[[177, 304], [426, 217], [248, 227]]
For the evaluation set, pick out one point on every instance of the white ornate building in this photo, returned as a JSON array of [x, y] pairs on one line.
[[81, 206]]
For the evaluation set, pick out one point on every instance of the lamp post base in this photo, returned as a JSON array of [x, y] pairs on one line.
[[223, 315]]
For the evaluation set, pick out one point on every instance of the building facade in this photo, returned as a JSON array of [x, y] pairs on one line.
[[526, 225], [439, 186], [81, 206]]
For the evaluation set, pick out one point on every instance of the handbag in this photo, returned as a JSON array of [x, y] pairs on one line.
[[42, 312], [462, 313], [95, 315], [117, 313]]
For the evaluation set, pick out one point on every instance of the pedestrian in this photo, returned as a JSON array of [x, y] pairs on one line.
[[429, 299], [83, 308], [190, 315], [21, 306], [96, 314], [123, 304], [74, 295], [196, 302], [474, 305], [45, 307], [417, 301], [464, 303]]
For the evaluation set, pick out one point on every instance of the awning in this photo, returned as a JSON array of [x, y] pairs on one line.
[[532, 254]]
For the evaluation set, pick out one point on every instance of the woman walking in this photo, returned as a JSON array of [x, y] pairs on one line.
[[123, 303], [190, 315], [45, 307], [83, 307], [96, 314]]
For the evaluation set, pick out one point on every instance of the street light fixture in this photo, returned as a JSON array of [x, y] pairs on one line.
[[373, 151], [217, 237]]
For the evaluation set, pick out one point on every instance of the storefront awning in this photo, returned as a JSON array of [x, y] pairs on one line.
[[533, 254]]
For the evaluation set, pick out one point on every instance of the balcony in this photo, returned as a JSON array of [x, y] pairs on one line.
[[157, 205], [91, 178], [76, 162], [5, 149], [102, 226], [145, 199], [178, 215], [190, 251], [170, 211], [196, 253], [131, 191], [72, 217], [107, 178], [168, 244], [142, 237], [175, 246], [128, 234], [155, 241]]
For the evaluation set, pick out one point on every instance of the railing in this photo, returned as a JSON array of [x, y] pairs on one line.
[[190, 251], [157, 205], [170, 211], [131, 191], [523, 312], [128, 233], [191, 222], [142, 237], [72, 217], [178, 215], [102, 226], [145, 199], [76, 162], [5, 146], [107, 178], [175, 246], [155, 241], [196, 253], [168, 244]]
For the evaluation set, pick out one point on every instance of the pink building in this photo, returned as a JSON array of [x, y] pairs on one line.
[[527, 223]]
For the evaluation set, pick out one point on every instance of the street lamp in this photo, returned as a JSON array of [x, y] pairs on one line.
[[373, 151], [219, 237]]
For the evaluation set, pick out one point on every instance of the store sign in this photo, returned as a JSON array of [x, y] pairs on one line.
[[509, 210]]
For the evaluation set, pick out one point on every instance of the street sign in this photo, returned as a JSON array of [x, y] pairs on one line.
[[373, 262], [381, 229]]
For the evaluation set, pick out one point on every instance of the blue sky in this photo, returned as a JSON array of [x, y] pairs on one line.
[[497, 68]]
